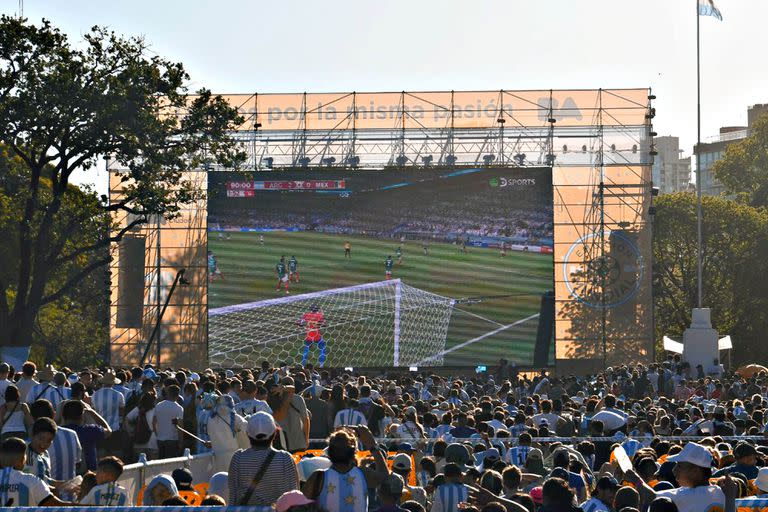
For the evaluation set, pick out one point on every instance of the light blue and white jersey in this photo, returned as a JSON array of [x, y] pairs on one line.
[[517, 455], [38, 464], [448, 497], [47, 391], [107, 402], [122, 389], [202, 430], [594, 505], [65, 452], [252, 406], [344, 492], [350, 418], [20, 489], [443, 431], [454, 400], [109, 494]]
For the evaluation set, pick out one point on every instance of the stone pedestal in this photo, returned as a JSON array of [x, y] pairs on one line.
[[700, 341]]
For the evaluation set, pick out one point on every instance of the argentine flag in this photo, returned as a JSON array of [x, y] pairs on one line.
[[707, 8]]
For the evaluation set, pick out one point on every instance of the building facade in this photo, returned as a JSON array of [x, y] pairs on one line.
[[713, 149], [670, 172]]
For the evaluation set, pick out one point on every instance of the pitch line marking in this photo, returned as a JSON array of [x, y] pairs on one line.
[[479, 338], [481, 317]]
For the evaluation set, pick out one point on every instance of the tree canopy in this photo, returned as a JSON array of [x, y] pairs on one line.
[[63, 106], [744, 166], [735, 256]]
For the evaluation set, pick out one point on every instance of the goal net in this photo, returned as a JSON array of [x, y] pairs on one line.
[[387, 323]]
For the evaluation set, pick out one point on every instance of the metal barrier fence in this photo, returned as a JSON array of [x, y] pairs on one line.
[[136, 476]]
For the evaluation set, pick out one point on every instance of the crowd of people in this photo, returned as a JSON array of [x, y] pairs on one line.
[[659, 438]]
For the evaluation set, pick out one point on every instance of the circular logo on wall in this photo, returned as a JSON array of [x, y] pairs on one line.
[[620, 269]]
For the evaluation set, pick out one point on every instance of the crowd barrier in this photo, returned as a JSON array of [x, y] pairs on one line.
[[136, 476]]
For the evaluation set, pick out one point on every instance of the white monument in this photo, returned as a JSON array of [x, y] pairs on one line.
[[700, 342]]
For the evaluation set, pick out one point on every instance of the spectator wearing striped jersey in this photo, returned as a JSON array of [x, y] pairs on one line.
[[37, 461], [448, 496], [21, 489], [51, 387], [249, 403], [65, 452], [107, 492], [110, 404], [350, 416], [344, 487]]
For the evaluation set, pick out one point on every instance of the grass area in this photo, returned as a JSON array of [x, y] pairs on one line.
[[249, 275]]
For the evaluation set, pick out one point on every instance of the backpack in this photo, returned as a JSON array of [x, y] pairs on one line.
[[142, 432]]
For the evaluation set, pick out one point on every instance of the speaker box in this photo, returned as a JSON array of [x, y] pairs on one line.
[[545, 330], [130, 282]]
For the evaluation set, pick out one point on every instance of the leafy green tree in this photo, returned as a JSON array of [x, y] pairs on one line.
[[63, 107], [735, 259], [744, 166]]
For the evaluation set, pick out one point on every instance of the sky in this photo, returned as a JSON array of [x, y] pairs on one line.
[[365, 45]]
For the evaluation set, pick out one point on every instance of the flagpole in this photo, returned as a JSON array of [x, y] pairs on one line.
[[698, 160]]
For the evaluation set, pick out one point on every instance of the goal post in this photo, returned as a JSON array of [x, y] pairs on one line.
[[386, 323]]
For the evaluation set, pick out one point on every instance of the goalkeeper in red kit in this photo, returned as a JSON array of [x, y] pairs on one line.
[[312, 321]]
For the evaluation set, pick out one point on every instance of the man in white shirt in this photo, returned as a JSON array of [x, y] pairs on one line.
[[27, 380], [4, 382], [692, 470], [167, 414]]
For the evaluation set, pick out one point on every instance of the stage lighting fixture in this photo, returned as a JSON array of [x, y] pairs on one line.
[[519, 159], [551, 120], [256, 126], [353, 161], [501, 120], [329, 161], [652, 134], [651, 210], [654, 191], [634, 148], [653, 152], [584, 148], [624, 224], [268, 161], [550, 159], [451, 159], [651, 96], [426, 160], [565, 148], [401, 160], [304, 162], [488, 159], [651, 113], [613, 148]]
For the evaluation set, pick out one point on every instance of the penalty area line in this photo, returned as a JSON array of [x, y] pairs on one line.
[[481, 317], [479, 338]]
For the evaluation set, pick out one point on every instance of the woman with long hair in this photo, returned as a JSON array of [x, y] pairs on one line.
[[15, 418]]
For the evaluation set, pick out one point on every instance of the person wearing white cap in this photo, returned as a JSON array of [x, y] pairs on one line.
[[402, 465], [260, 475], [693, 468], [761, 482]]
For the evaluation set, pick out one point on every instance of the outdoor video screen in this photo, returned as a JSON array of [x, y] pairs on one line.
[[364, 268]]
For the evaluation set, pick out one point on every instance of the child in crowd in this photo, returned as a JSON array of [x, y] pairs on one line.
[[107, 492]]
